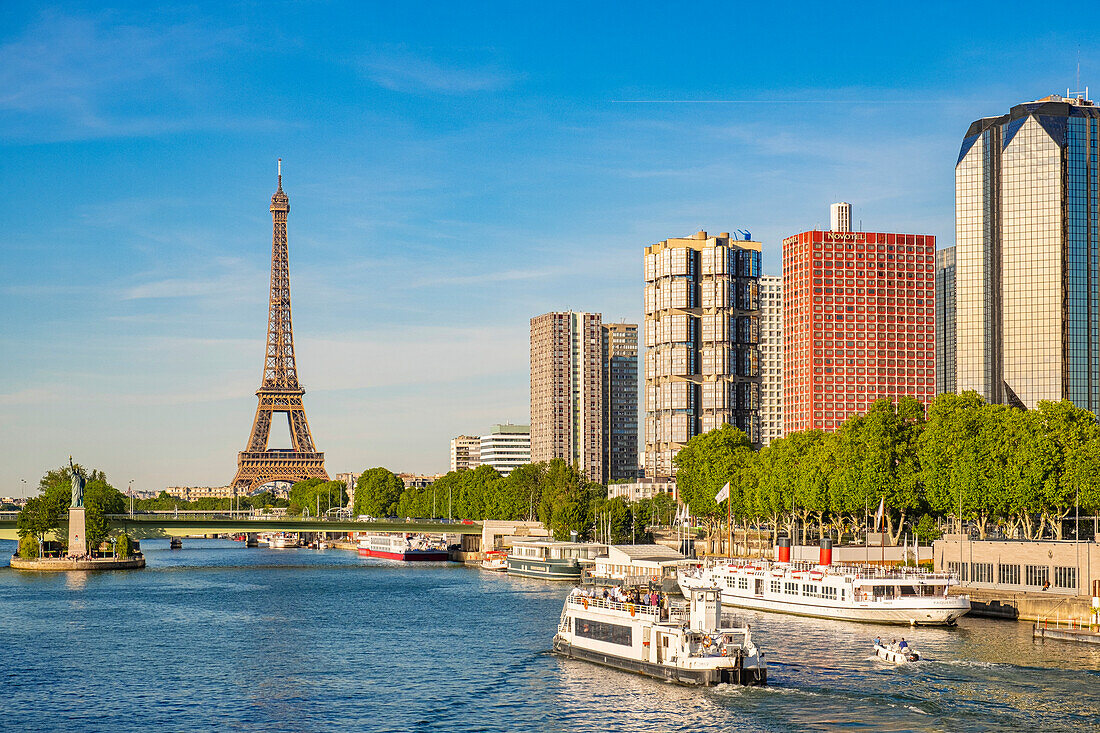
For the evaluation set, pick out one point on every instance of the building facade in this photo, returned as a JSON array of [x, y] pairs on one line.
[[945, 320], [859, 323], [702, 336], [620, 401], [465, 452], [643, 488], [190, 493], [506, 447], [567, 391], [771, 359], [1027, 249]]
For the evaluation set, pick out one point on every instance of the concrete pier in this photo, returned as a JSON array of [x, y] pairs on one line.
[[1062, 633], [65, 564]]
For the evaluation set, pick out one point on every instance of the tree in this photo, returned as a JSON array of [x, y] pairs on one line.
[[313, 495], [614, 521], [377, 492], [566, 498], [706, 463], [100, 499], [39, 516], [122, 546]]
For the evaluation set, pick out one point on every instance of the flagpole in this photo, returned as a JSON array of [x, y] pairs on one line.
[[729, 526]]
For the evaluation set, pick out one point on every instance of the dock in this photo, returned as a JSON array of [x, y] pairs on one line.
[[1064, 632]]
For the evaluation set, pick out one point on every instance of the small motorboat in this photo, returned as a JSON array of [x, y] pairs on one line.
[[897, 655], [175, 544], [495, 560]]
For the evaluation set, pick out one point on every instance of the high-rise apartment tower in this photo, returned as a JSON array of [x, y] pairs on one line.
[[945, 320], [771, 359], [702, 335], [1027, 251], [567, 390], [620, 401], [858, 323]]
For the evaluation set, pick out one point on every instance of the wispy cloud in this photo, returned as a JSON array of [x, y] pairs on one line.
[[405, 72], [71, 76]]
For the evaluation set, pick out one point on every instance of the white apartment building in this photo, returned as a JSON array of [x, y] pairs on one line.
[[771, 358], [506, 447], [643, 488], [465, 452]]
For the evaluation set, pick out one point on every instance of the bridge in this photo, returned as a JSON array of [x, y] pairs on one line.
[[151, 525]]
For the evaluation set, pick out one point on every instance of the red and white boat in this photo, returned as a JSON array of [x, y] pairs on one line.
[[401, 546]]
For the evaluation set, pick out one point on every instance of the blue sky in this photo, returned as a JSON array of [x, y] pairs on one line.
[[453, 169]]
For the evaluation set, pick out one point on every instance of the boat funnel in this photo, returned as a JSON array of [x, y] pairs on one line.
[[706, 609], [784, 549], [826, 557]]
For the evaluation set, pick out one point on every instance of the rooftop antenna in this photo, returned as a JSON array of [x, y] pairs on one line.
[[280, 174]]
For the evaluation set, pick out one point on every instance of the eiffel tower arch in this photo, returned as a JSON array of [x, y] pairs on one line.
[[279, 392]]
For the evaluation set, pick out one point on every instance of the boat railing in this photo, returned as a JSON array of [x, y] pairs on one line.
[[856, 572], [579, 599]]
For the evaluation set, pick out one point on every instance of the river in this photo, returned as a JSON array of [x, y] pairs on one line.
[[216, 636]]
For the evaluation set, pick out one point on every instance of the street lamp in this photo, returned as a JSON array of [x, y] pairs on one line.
[[130, 491]]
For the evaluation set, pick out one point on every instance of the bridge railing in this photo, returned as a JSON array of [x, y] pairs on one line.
[[190, 514]]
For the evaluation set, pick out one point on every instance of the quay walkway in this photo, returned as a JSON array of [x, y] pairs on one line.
[[151, 525]]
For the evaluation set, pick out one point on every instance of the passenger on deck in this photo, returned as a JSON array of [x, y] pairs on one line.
[[903, 644], [878, 641]]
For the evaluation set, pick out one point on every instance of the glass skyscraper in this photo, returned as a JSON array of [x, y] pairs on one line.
[[1026, 236]]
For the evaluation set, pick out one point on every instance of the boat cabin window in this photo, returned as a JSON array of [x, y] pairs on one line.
[[603, 631], [909, 590], [884, 591]]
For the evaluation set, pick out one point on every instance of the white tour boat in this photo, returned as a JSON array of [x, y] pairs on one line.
[[897, 655], [283, 542], [495, 560], [845, 592], [685, 644]]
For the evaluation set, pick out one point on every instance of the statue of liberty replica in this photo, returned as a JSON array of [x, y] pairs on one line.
[[78, 544], [78, 485]]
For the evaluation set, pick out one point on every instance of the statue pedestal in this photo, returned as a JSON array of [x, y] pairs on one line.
[[78, 543]]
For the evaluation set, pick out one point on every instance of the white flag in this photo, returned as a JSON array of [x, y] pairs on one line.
[[723, 494], [880, 513]]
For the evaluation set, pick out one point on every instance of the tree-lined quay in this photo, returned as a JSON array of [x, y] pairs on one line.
[[1022, 471]]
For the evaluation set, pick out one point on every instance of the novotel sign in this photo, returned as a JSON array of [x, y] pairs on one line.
[[834, 237]]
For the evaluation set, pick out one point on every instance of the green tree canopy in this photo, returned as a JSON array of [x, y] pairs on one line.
[[377, 492]]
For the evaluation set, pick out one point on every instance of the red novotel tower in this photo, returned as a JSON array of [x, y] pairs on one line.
[[858, 322]]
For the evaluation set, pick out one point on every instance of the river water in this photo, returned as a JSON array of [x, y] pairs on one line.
[[216, 636]]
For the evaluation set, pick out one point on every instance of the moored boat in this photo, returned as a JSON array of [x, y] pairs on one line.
[[552, 560], [402, 546], [284, 542], [495, 560], [844, 592], [683, 643]]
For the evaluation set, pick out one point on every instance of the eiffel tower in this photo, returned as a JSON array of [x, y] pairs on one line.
[[279, 390]]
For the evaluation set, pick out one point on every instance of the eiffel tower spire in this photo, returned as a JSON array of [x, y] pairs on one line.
[[279, 390]]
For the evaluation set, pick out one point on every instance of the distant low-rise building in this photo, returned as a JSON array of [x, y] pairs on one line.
[[506, 447], [643, 488], [465, 452], [417, 480], [191, 493]]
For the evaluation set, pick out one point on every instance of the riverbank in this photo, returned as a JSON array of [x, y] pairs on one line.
[[1026, 606]]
